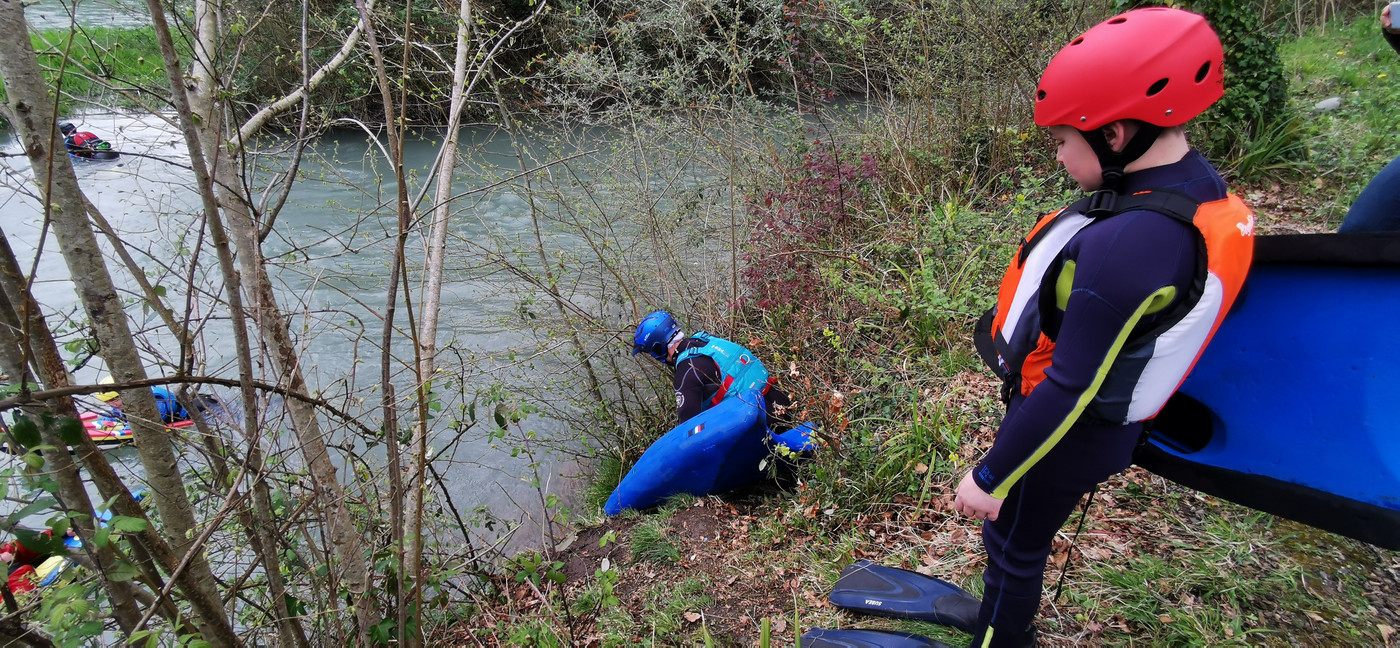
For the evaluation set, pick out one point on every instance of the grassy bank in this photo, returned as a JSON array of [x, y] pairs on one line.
[[102, 68], [873, 334]]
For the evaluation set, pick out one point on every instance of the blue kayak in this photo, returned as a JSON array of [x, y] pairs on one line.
[[1292, 409], [719, 449]]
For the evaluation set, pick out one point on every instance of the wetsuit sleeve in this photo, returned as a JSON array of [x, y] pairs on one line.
[[695, 382], [1123, 269]]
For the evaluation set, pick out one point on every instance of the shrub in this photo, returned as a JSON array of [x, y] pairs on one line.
[[1256, 88]]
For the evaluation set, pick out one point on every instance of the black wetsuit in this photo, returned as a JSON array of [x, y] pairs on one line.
[[1120, 261]]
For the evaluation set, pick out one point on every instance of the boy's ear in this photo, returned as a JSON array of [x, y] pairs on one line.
[[1116, 134], [1119, 133]]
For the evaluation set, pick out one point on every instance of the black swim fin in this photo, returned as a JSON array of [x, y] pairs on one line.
[[819, 638], [887, 591]]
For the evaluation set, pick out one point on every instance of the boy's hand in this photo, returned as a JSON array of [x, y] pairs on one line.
[[974, 502]]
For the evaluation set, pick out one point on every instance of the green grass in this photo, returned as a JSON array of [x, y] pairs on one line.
[[662, 621], [1231, 576], [1349, 145], [668, 605], [675, 503], [109, 67], [652, 543], [539, 632], [606, 478]]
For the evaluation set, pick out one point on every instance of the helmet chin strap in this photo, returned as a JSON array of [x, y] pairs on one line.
[[1114, 162]]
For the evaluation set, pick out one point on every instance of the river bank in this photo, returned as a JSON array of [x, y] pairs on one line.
[[875, 339], [1154, 561], [686, 157]]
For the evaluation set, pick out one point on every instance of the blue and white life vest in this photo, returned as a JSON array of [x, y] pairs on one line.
[[740, 370]]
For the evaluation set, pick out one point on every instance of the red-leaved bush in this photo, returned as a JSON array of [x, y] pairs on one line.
[[801, 220]]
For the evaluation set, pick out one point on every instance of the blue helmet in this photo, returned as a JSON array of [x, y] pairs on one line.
[[654, 334]]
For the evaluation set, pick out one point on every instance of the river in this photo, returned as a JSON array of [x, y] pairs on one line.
[[60, 14], [331, 246], [632, 219]]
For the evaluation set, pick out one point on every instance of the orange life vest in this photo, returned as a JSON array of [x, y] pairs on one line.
[[1150, 364]]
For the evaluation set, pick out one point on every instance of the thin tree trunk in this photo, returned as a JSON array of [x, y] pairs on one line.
[[432, 301], [432, 271], [18, 312], [31, 112], [267, 316], [260, 527], [390, 416]]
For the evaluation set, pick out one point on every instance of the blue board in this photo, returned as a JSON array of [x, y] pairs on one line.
[[1293, 408], [719, 449]]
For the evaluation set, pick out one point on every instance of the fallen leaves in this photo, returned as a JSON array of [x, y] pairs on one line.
[[1138, 514]]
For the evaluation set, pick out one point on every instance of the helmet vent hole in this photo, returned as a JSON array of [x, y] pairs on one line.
[[1118, 21], [1077, 41], [1160, 85], [1201, 73], [1040, 96]]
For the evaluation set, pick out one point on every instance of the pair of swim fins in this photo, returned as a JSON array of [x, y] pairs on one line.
[[819, 638], [887, 591]]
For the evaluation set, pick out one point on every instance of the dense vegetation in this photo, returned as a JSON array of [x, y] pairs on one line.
[[863, 278], [868, 166]]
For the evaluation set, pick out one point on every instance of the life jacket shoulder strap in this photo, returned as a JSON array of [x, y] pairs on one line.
[[1168, 202], [1105, 204], [1042, 227]]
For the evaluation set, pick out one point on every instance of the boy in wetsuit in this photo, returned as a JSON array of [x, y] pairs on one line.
[[699, 380], [1108, 303]]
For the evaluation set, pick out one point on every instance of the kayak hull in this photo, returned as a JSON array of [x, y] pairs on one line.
[[720, 449]]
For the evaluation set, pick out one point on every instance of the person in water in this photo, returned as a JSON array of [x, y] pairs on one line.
[[1377, 209], [82, 143], [171, 411], [1108, 303], [708, 369]]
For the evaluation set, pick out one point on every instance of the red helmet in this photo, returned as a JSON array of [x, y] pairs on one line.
[[1159, 65]]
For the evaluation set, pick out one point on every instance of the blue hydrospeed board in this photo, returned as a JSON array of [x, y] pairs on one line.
[[1293, 408]]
